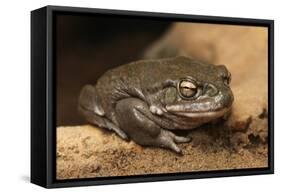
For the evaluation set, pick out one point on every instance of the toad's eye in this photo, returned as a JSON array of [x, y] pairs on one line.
[[227, 79], [224, 74], [187, 88]]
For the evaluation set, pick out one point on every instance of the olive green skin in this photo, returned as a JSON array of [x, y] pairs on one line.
[[143, 100]]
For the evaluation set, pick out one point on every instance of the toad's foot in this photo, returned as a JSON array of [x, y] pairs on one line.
[[157, 110], [169, 140]]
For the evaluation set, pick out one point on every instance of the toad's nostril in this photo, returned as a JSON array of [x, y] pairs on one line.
[[211, 90]]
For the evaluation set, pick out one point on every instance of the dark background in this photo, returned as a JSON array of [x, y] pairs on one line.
[[88, 45]]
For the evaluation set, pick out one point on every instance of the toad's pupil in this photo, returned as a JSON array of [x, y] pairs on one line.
[[187, 84], [188, 92]]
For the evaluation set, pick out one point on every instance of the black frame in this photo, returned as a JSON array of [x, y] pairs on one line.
[[43, 98]]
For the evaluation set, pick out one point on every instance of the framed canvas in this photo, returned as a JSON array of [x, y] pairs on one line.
[[125, 96]]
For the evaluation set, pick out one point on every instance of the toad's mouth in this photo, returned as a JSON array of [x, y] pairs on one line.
[[206, 114], [196, 112]]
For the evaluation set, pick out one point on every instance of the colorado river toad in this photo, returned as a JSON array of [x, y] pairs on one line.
[[148, 99]]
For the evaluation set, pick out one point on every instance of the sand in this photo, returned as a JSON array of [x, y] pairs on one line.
[[86, 151]]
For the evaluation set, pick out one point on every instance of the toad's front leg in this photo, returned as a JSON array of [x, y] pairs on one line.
[[159, 90], [135, 118]]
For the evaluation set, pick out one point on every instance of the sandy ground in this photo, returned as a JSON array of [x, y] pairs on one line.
[[240, 142], [85, 151]]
